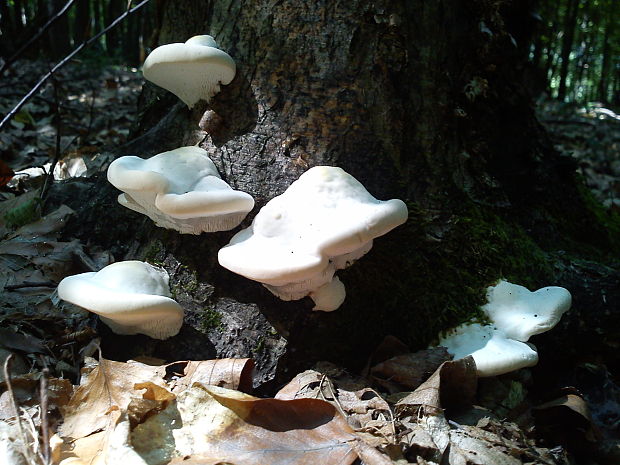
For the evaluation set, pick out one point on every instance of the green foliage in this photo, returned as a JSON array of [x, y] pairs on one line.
[[26, 213], [594, 51], [154, 253], [209, 319]]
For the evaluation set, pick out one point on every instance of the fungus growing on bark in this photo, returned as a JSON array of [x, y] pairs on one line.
[[322, 223], [181, 190], [192, 71], [516, 314], [493, 352], [521, 313], [130, 297]]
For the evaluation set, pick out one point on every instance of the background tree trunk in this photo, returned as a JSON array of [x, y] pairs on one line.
[[603, 83], [113, 39], [415, 99], [82, 21], [58, 34], [570, 23]]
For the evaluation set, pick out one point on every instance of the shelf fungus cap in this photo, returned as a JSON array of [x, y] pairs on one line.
[[179, 189], [323, 222], [516, 314], [131, 297], [521, 313], [493, 352], [192, 71]]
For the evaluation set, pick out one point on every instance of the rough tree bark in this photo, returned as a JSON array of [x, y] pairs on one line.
[[419, 101]]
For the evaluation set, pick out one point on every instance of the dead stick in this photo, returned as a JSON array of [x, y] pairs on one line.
[[35, 37], [65, 60], [43, 397], [50, 175], [12, 287], [9, 388]]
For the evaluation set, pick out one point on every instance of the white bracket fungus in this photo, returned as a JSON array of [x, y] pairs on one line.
[[322, 223], [516, 314], [493, 352], [521, 313], [131, 297], [181, 190], [192, 71]]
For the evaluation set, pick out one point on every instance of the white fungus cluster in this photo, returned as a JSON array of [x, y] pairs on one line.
[[516, 314], [322, 223], [192, 71], [180, 189], [130, 297]]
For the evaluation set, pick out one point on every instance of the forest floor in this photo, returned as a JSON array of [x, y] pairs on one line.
[[142, 411]]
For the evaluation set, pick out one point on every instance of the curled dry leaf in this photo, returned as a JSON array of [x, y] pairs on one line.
[[230, 373], [108, 387], [567, 420], [408, 371], [154, 400], [26, 392], [452, 385], [365, 410]]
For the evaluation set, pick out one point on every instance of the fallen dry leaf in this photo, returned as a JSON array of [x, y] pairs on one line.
[[230, 373], [210, 425], [52, 222], [567, 420], [452, 385], [365, 410], [410, 370], [108, 387], [26, 393], [6, 173]]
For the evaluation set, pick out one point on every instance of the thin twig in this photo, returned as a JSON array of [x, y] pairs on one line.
[[43, 397], [35, 37], [25, 284], [49, 179], [20, 426], [65, 60], [91, 113]]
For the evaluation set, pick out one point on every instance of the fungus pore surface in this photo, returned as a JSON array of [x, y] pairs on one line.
[[192, 71], [181, 190], [131, 297]]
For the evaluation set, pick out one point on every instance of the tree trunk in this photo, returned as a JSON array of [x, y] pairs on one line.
[[415, 100], [82, 22], [7, 45], [603, 83], [18, 13], [570, 23], [59, 33], [98, 7], [131, 40], [113, 38]]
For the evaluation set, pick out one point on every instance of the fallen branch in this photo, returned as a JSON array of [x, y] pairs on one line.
[[35, 37], [49, 178], [25, 284], [44, 402], [13, 403], [65, 60]]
